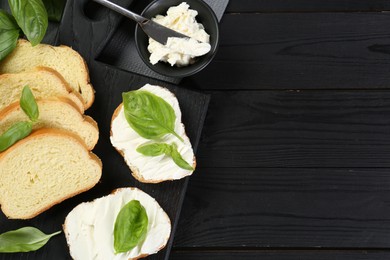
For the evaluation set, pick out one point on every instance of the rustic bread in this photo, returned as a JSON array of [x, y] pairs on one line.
[[43, 82], [62, 59], [89, 227], [44, 169], [152, 169], [58, 113]]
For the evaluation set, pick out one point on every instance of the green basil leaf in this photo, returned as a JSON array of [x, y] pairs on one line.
[[28, 104], [157, 149], [130, 227], [23, 240], [7, 21], [31, 17], [9, 34], [154, 149], [8, 41], [15, 133], [149, 115], [176, 157], [54, 9]]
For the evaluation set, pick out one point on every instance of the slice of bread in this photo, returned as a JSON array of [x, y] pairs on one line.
[[58, 113], [43, 82], [62, 59], [149, 169], [89, 227], [44, 169]]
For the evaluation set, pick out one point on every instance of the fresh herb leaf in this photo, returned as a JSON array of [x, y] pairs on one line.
[[23, 240], [149, 115], [8, 41], [9, 34], [54, 9], [157, 149], [15, 133], [130, 227], [28, 104], [31, 17], [7, 21], [176, 157], [154, 149]]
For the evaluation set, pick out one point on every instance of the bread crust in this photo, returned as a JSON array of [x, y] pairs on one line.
[[83, 68], [58, 132], [85, 118]]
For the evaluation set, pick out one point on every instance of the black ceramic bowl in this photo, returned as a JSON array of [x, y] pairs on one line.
[[206, 16]]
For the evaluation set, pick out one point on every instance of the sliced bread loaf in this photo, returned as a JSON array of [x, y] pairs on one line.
[[62, 59], [43, 82], [58, 113], [89, 227], [44, 169], [159, 168]]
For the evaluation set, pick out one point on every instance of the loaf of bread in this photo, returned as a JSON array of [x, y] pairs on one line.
[[62, 59], [58, 113], [43, 82], [89, 227], [44, 169], [145, 168]]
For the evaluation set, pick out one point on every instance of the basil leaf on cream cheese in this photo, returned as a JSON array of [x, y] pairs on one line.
[[130, 227], [149, 115]]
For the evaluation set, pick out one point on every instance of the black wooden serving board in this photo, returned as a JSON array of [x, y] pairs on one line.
[[86, 29]]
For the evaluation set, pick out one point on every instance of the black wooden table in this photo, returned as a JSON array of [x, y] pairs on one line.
[[295, 152], [294, 158]]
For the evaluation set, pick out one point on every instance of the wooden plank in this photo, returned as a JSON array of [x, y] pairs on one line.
[[296, 129], [238, 6], [279, 255], [300, 51], [286, 208]]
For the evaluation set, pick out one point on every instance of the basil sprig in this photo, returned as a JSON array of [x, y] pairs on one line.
[[9, 34], [149, 115], [157, 149], [25, 239], [28, 104], [130, 227], [31, 17], [20, 130]]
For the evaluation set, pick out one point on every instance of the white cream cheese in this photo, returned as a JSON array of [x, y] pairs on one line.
[[179, 51], [89, 227], [158, 168]]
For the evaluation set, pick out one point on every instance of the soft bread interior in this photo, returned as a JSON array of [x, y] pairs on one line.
[[58, 113], [44, 169], [62, 59], [43, 82]]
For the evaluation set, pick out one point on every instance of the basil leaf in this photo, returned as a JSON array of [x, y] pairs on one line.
[[54, 9], [9, 34], [7, 21], [176, 157], [31, 17], [157, 149], [15, 133], [130, 227], [8, 41], [154, 149], [23, 240], [149, 115], [28, 104]]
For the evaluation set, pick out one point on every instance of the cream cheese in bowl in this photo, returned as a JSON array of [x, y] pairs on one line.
[[179, 51]]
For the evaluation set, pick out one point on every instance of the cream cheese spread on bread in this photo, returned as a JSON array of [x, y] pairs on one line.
[[89, 227], [146, 168]]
